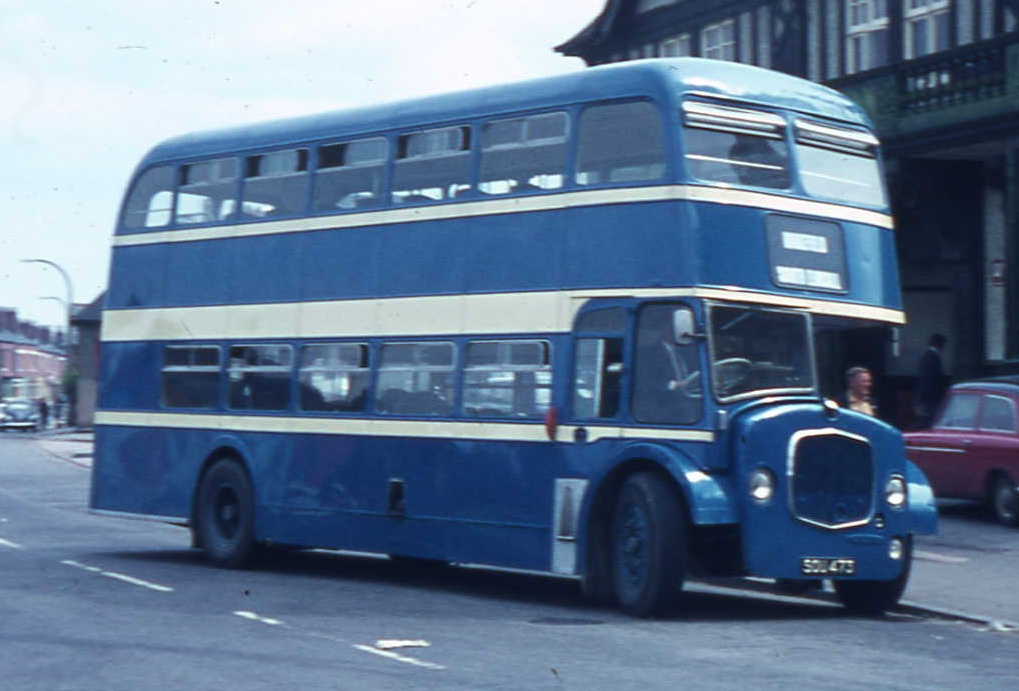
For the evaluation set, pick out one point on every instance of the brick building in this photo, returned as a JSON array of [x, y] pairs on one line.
[[33, 359], [940, 80]]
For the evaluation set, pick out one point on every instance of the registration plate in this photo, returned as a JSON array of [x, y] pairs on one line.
[[822, 566]]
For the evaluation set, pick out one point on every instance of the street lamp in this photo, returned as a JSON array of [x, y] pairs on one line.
[[69, 305], [67, 285]]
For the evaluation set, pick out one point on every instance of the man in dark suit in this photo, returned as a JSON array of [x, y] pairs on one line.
[[931, 381]]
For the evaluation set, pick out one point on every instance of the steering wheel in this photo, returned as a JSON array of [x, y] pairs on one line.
[[730, 373]]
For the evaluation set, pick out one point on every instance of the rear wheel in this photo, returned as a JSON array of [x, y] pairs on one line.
[[648, 548], [1004, 500], [876, 597], [225, 515]]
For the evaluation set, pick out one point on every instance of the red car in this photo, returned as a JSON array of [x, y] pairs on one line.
[[972, 449]]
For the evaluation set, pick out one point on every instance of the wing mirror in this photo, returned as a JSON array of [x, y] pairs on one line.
[[684, 326]]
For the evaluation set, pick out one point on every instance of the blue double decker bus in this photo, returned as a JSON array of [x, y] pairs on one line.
[[567, 325]]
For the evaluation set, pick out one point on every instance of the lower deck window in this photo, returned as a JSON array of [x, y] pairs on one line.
[[415, 379], [507, 379], [333, 377], [260, 377], [190, 376]]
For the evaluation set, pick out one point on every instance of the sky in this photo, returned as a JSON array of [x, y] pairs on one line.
[[89, 87]]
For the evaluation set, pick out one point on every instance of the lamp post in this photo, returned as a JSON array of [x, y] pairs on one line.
[[69, 304], [70, 293]]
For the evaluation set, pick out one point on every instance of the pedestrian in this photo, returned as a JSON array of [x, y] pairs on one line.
[[857, 396], [44, 413], [931, 382]]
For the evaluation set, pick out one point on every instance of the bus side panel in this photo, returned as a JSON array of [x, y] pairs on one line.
[[450, 499], [137, 276], [683, 243], [601, 242], [130, 376], [506, 254], [141, 470]]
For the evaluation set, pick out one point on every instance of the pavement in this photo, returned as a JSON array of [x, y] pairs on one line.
[[952, 578]]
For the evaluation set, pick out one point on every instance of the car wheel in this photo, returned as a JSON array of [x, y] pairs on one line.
[[875, 597], [647, 542], [1004, 500], [225, 515]]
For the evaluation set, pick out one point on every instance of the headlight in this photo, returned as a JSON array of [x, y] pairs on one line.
[[895, 492], [762, 485]]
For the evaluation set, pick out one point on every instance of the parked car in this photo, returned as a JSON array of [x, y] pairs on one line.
[[972, 449], [19, 413]]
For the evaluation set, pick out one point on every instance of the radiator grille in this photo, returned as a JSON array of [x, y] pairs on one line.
[[832, 479]]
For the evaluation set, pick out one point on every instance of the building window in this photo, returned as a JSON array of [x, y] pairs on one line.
[[676, 47], [718, 41], [866, 35], [927, 27]]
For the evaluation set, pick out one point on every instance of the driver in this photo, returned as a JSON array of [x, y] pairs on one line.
[[665, 383]]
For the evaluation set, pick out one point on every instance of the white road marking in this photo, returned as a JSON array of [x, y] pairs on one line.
[[397, 657], [260, 619], [380, 648], [941, 558], [119, 576], [8, 543]]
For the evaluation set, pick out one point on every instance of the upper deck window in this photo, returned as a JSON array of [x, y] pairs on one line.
[[521, 154], [208, 191], [839, 163], [349, 175], [150, 204], [735, 145], [275, 183], [432, 165], [620, 142]]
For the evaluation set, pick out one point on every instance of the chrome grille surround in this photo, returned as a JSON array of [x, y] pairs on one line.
[[830, 476]]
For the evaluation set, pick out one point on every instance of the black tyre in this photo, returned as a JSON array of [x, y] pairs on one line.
[[225, 515], [876, 597], [647, 543], [1004, 500]]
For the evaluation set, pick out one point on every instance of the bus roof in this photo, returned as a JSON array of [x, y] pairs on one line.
[[657, 77]]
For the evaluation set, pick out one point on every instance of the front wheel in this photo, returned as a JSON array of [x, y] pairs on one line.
[[647, 546], [225, 515], [876, 597], [1004, 500]]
